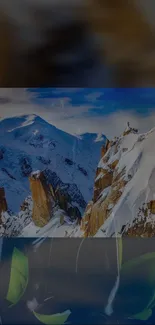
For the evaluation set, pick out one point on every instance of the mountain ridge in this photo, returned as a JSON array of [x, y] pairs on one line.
[[123, 198], [31, 118], [29, 142]]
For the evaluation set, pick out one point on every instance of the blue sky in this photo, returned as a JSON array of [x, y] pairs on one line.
[[79, 110], [105, 101]]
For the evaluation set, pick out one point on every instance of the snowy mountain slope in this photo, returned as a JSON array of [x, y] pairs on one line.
[[53, 229], [124, 189], [136, 165], [12, 225], [29, 143], [22, 225], [125, 201]]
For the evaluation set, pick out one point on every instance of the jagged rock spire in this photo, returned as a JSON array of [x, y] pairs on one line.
[[43, 200], [129, 129], [105, 147]]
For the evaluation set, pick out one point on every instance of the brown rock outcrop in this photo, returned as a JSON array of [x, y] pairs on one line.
[[103, 151], [109, 144], [100, 170], [62, 199], [100, 210], [24, 206], [114, 164], [86, 218], [45, 198], [129, 130], [142, 225], [108, 187], [43, 201], [102, 182], [141, 230], [151, 206], [3, 203], [105, 148], [126, 132]]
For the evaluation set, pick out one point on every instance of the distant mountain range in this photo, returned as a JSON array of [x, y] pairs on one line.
[[29, 143], [98, 188]]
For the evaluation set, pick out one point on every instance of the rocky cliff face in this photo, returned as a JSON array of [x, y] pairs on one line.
[[108, 188], [3, 203], [29, 143], [144, 223], [12, 225], [123, 200], [47, 204], [72, 192], [43, 200], [46, 198]]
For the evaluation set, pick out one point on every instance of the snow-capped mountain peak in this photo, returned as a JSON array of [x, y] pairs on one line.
[[93, 137], [29, 143], [11, 123], [123, 197], [28, 120], [123, 201], [100, 137]]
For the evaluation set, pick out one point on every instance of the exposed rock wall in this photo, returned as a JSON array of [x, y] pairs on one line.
[[108, 187], [123, 202], [45, 198], [3, 203], [144, 223], [43, 201]]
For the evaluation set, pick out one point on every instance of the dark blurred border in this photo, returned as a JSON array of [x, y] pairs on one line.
[[70, 279]]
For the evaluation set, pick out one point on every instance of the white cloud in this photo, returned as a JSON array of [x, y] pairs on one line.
[[17, 101], [111, 125], [59, 91], [72, 119], [93, 96]]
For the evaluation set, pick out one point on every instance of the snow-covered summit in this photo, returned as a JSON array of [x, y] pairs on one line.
[[29, 143], [93, 137]]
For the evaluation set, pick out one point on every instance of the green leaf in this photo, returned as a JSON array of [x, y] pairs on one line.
[[144, 315], [136, 291], [141, 260], [151, 303], [56, 319], [18, 277]]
